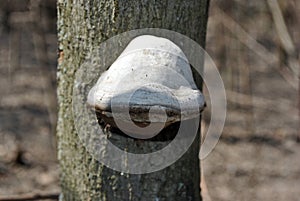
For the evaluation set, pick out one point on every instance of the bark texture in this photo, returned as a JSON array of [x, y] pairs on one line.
[[83, 25]]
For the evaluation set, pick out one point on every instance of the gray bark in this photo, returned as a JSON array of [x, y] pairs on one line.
[[82, 25]]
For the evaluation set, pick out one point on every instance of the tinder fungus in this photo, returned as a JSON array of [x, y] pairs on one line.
[[150, 82]]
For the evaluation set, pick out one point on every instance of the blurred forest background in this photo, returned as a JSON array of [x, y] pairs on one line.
[[255, 44]]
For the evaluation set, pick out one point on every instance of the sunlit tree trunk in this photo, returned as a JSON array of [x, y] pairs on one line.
[[82, 25]]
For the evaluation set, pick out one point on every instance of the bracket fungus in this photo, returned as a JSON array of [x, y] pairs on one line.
[[150, 83]]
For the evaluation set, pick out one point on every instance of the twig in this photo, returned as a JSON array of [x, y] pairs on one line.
[[204, 189], [40, 47], [287, 43], [29, 197], [255, 46], [281, 28], [31, 19], [285, 39], [256, 102]]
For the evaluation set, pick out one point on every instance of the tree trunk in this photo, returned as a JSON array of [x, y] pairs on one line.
[[83, 25]]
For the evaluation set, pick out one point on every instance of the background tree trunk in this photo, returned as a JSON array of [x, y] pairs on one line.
[[82, 25]]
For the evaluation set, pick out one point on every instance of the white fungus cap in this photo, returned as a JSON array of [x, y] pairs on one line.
[[151, 73]]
